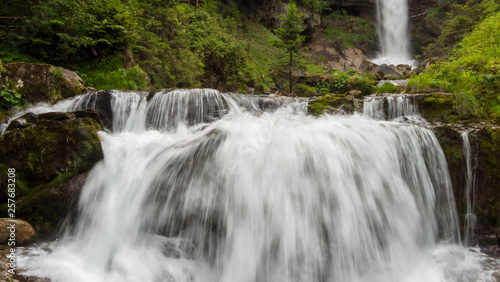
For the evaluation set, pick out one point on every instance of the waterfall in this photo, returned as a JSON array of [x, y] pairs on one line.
[[392, 16], [267, 194], [470, 193], [396, 107], [131, 110]]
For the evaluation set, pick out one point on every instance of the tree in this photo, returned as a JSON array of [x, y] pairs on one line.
[[290, 38]]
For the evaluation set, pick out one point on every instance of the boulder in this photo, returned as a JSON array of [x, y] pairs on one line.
[[338, 104], [42, 82], [385, 71], [53, 204], [56, 144], [24, 232]]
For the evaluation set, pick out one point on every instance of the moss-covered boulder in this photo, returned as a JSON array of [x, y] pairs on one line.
[[41, 82], [47, 150], [50, 205], [342, 104], [56, 144], [439, 107]]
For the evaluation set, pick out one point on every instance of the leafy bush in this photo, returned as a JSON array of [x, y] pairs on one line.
[[362, 82], [10, 95], [303, 90], [472, 73], [460, 22], [388, 88], [109, 74]]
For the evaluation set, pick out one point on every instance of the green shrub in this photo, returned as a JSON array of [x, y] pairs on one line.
[[10, 95], [362, 82], [388, 88], [303, 90], [56, 73], [472, 72]]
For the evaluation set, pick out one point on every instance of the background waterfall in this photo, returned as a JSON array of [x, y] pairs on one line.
[[260, 195], [392, 16]]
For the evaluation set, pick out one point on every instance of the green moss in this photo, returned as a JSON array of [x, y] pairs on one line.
[[51, 148], [328, 103], [441, 108]]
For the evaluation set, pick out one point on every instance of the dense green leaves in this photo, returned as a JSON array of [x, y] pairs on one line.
[[472, 73], [290, 38]]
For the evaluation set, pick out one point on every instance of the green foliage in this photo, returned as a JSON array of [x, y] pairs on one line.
[[323, 87], [388, 88], [56, 73], [109, 74], [472, 73], [289, 34], [339, 81], [318, 6], [10, 95], [362, 82], [290, 38], [304, 90], [349, 30], [70, 31], [460, 22]]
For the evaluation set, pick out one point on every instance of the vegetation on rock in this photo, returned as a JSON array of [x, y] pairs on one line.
[[472, 72]]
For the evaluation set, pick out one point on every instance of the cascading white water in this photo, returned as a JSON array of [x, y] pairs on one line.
[[470, 193], [392, 16], [397, 107], [278, 196], [131, 111]]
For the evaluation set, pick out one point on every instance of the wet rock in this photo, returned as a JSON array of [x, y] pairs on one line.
[[339, 104], [385, 71], [24, 232], [367, 66], [54, 203], [355, 93], [57, 116], [17, 123]]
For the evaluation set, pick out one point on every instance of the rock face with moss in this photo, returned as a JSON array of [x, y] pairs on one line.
[[485, 162], [347, 104], [485, 145], [46, 150], [42, 82]]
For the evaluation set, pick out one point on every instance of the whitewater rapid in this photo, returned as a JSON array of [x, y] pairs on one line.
[[260, 193]]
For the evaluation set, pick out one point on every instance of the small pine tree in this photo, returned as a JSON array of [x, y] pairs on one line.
[[290, 38]]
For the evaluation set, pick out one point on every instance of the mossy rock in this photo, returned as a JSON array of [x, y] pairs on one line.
[[48, 206], [333, 104], [439, 107], [56, 145], [43, 82]]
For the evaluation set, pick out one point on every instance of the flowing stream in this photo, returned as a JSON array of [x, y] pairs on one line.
[[393, 32], [196, 185]]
